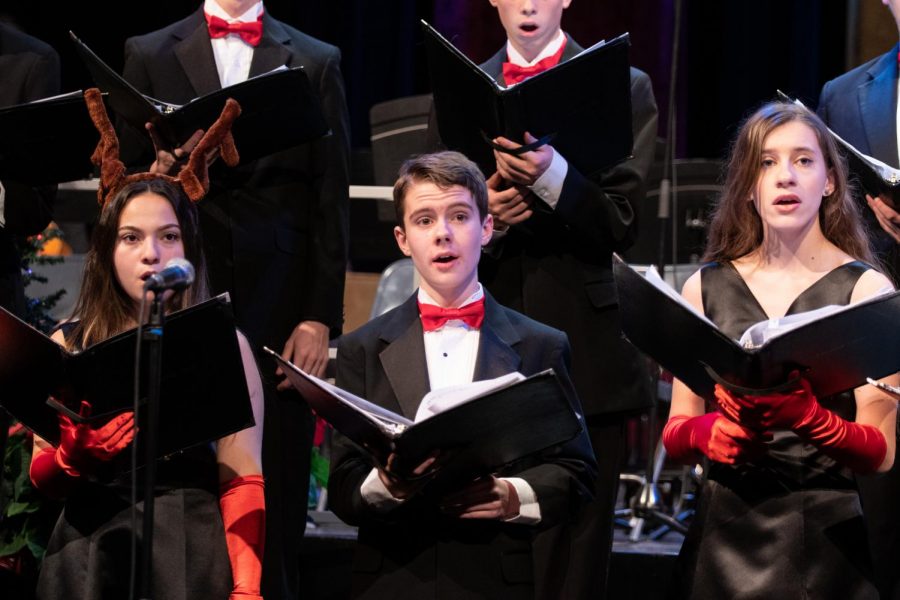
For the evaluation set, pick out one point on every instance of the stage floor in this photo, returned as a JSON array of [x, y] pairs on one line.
[[639, 570]]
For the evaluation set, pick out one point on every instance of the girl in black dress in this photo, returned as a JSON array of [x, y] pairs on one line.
[[209, 507], [779, 515]]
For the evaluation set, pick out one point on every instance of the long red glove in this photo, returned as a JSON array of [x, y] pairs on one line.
[[243, 506], [860, 447], [81, 448], [712, 434]]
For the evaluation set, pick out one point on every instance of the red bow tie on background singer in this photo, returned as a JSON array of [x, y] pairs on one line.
[[513, 73], [435, 317], [250, 32]]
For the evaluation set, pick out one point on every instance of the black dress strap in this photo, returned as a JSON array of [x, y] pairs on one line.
[[834, 288], [68, 328], [722, 289]]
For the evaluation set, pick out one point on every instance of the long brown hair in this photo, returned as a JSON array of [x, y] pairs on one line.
[[103, 308], [736, 228]]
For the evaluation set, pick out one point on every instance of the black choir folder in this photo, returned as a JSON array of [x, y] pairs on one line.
[[203, 395], [581, 106], [503, 420], [836, 348], [279, 109], [875, 177], [47, 141]]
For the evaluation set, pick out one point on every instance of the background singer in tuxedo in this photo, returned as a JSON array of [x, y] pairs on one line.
[[275, 231], [861, 106], [552, 261]]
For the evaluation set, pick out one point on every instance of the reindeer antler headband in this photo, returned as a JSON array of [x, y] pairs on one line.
[[193, 178]]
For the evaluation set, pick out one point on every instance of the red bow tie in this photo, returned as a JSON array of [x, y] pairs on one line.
[[435, 317], [513, 73], [250, 32]]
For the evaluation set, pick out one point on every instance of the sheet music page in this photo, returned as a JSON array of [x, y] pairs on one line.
[[891, 390], [163, 108], [652, 275], [759, 334], [373, 410], [439, 400], [74, 94]]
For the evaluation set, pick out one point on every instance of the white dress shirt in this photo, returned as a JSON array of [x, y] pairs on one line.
[[233, 54], [547, 187]]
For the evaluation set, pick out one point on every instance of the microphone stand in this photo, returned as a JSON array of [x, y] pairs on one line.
[[153, 337]]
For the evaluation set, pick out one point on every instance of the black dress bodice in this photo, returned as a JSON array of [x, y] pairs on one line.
[[787, 525]]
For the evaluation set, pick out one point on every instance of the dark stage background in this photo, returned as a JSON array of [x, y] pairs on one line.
[[733, 54]]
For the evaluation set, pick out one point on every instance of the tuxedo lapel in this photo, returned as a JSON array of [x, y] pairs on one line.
[[273, 50], [494, 66], [194, 53], [496, 353], [878, 107], [572, 49], [403, 359]]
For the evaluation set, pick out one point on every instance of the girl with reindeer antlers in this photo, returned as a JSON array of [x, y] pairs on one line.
[[201, 550]]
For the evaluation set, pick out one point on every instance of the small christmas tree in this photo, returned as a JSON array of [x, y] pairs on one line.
[[37, 311]]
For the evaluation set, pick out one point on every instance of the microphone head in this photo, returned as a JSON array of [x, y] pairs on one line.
[[186, 267], [176, 275]]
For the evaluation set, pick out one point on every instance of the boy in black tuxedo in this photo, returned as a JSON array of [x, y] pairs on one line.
[[475, 542], [553, 261]]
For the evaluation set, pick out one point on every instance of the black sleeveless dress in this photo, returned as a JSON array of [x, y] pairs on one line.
[[88, 556], [788, 525]]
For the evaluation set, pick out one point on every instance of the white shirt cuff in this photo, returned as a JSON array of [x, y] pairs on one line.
[[376, 495], [548, 187], [529, 509], [2, 205]]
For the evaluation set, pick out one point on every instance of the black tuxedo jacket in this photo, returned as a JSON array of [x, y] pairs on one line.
[[275, 229], [556, 267], [413, 551], [29, 70]]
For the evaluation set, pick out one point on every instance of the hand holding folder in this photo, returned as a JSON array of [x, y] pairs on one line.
[[581, 106], [493, 425], [834, 348], [203, 396], [82, 446]]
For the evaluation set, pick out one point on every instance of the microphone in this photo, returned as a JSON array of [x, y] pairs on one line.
[[177, 275]]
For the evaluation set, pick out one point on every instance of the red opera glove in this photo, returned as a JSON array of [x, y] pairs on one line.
[[712, 434], [243, 506], [81, 448], [860, 447], [780, 410]]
